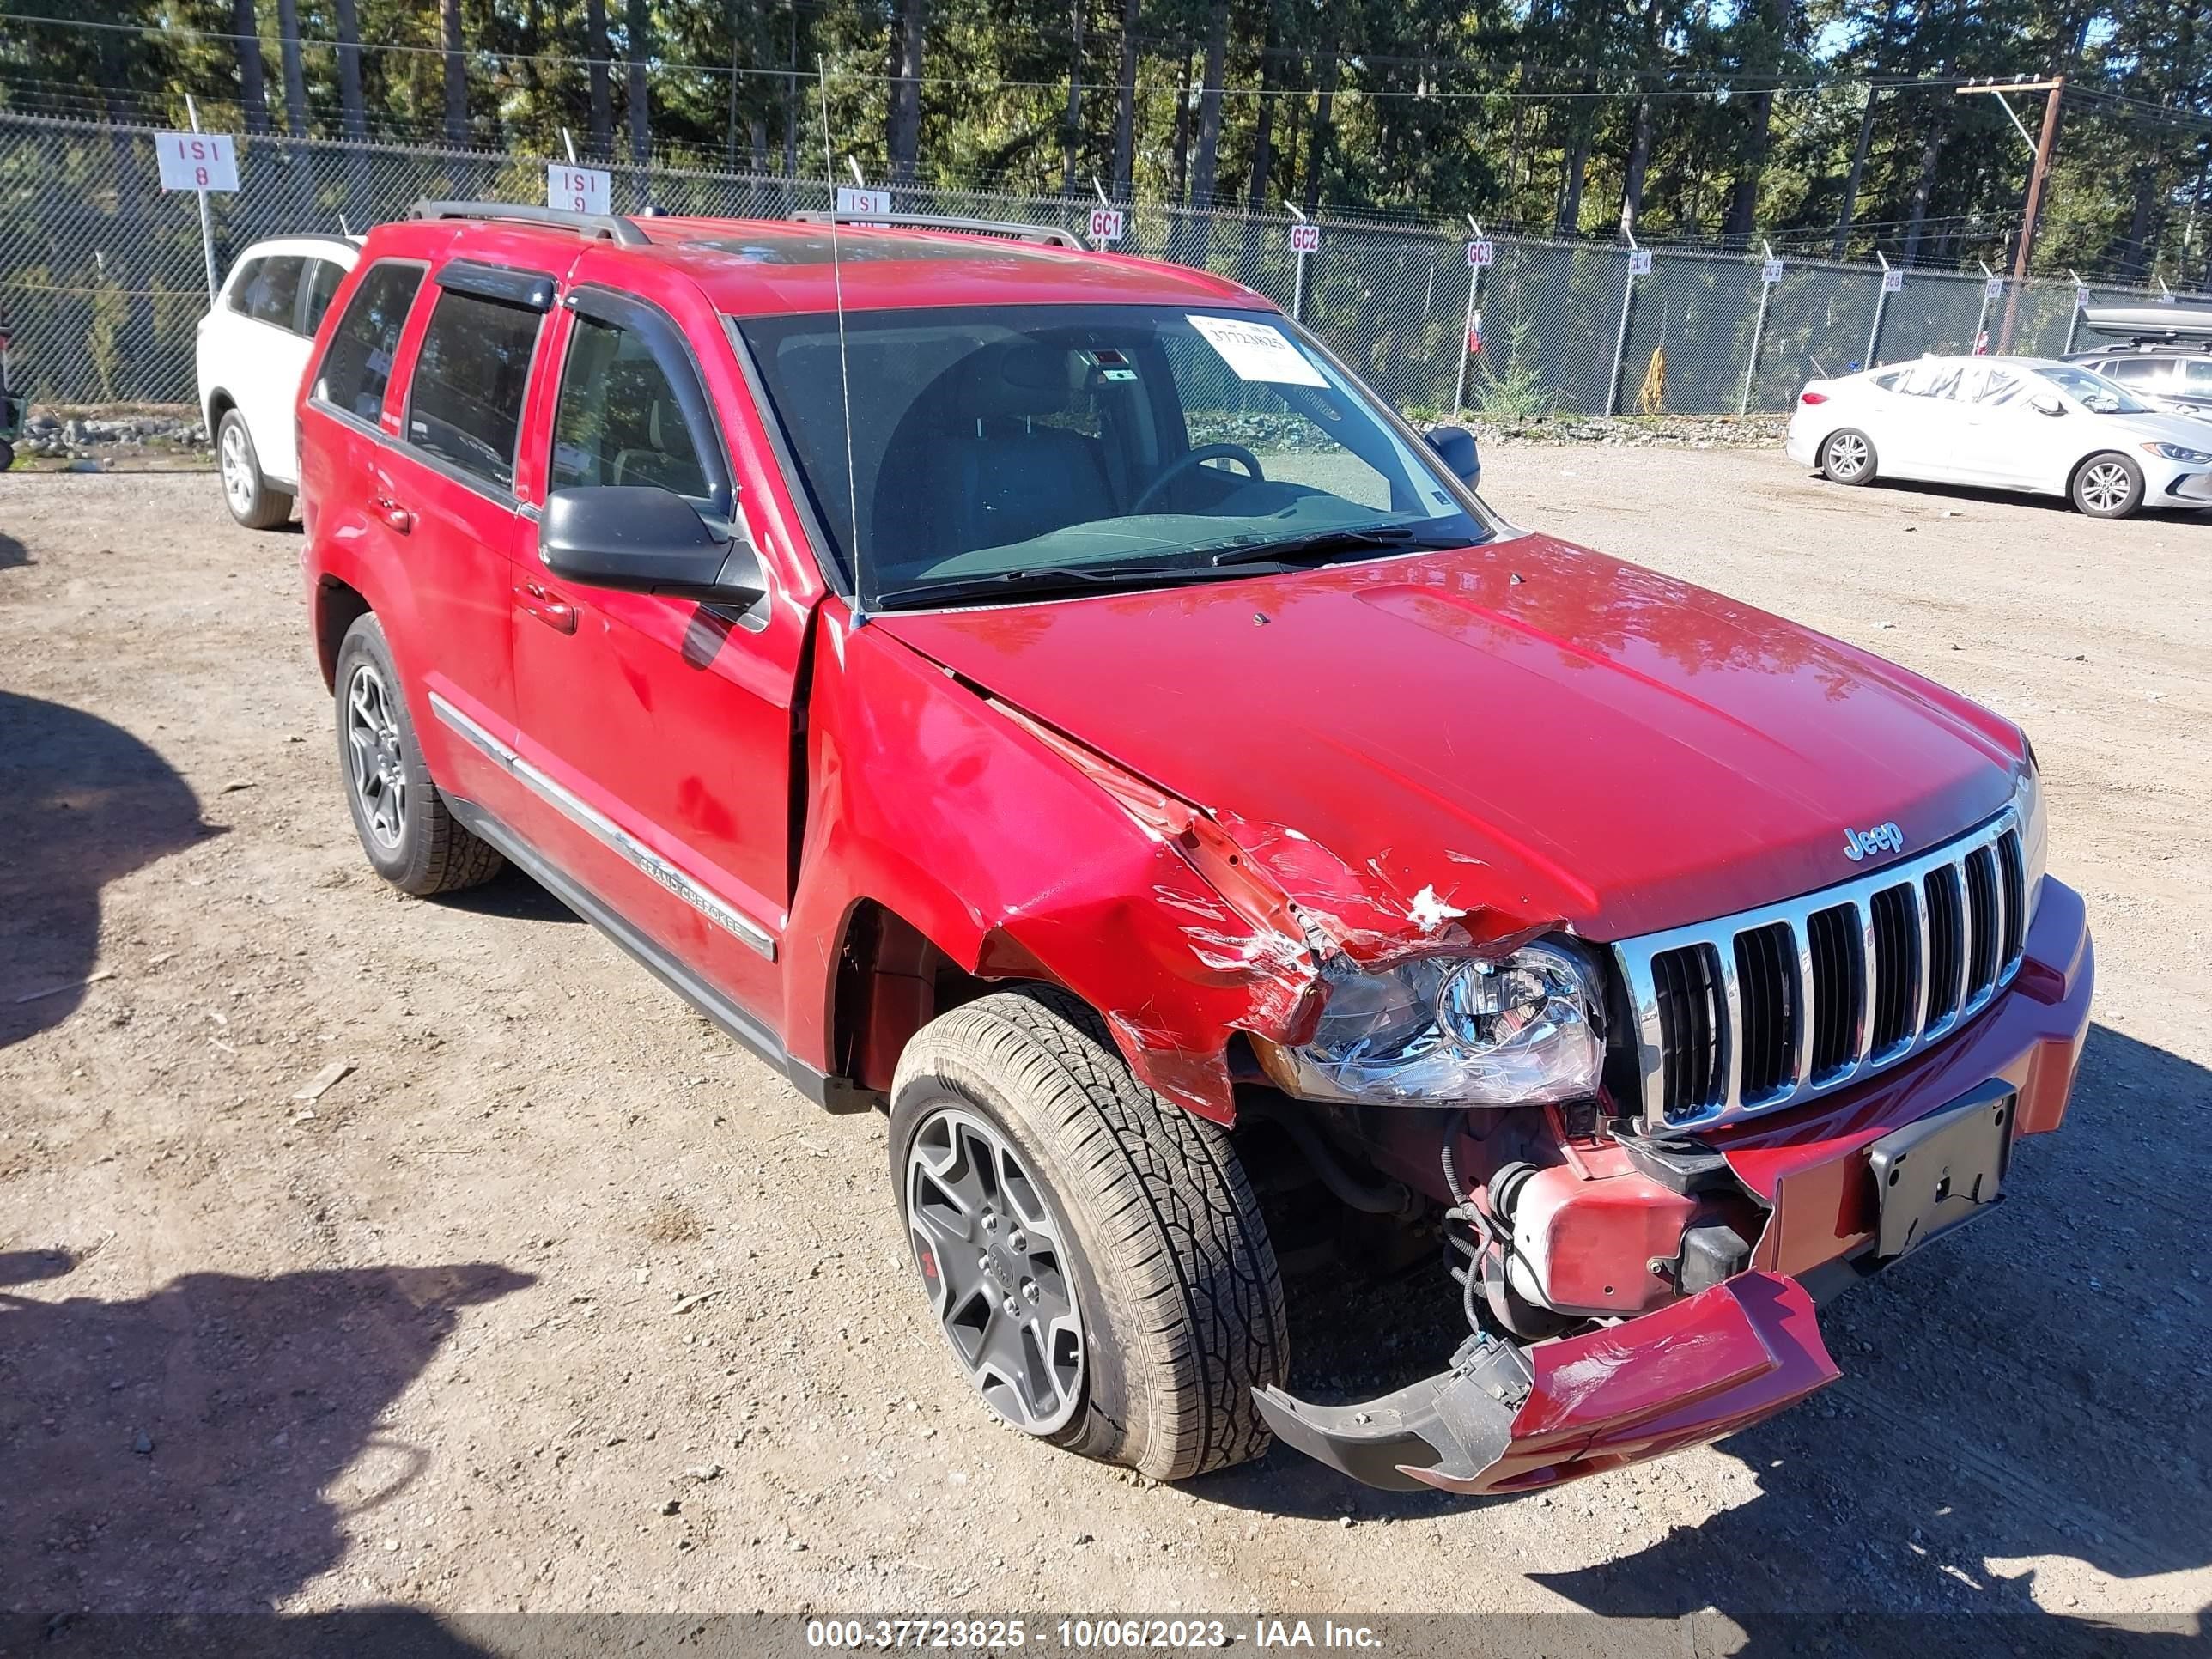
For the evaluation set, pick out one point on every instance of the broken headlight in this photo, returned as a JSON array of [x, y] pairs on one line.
[[1454, 1031]]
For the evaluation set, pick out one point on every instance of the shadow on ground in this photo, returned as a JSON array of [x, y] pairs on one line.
[[177, 1452], [13, 554], [2034, 1385], [82, 802]]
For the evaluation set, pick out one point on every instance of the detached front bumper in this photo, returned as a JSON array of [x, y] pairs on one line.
[[1505, 1418]]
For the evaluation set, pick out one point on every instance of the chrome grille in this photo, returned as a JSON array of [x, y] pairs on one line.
[[1761, 1010]]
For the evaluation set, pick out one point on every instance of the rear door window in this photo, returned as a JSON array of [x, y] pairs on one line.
[[271, 291], [357, 368], [317, 292], [620, 420], [2139, 371], [2196, 378], [465, 407]]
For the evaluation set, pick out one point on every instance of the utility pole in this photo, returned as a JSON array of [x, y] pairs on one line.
[[2043, 144]]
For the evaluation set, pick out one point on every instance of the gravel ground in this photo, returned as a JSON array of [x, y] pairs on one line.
[[557, 1301]]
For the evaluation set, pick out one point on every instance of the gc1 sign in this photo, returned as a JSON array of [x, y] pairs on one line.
[[197, 160], [579, 190], [1305, 239], [1105, 225]]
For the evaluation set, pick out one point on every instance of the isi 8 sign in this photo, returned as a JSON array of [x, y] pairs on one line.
[[197, 160]]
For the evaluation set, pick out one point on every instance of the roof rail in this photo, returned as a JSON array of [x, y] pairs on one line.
[[612, 227], [1006, 229]]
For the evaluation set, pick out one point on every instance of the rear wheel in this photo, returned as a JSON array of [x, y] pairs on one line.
[[411, 839], [1092, 1253], [2108, 486], [252, 500], [1848, 456]]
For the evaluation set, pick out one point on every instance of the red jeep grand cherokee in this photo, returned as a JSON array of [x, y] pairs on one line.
[[1045, 694]]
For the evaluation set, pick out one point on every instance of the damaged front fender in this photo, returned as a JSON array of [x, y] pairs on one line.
[[1507, 1419]]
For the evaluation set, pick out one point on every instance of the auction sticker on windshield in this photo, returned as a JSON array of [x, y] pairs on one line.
[[1258, 351]]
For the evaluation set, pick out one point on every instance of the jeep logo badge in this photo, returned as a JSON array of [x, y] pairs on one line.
[[1883, 838]]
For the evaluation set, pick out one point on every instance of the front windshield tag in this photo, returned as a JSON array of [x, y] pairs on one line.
[[1257, 351]]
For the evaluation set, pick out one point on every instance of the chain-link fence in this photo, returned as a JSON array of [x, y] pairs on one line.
[[103, 276]]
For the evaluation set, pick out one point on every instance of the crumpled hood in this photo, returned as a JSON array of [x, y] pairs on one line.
[[1526, 731]]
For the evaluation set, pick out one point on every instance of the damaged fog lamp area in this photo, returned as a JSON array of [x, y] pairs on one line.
[[1454, 1030]]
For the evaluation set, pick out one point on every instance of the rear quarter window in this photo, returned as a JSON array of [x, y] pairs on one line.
[[357, 367], [465, 406]]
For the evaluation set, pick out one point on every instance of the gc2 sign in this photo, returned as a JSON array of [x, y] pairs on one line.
[[1105, 225], [197, 160], [1304, 239], [579, 190]]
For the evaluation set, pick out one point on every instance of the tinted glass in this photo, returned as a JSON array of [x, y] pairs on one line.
[[249, 274], [323, 280], [2138, 371], [1148, 438], [619, 421], [2196, 377], [358, 366], [271, 291], [465, 405]]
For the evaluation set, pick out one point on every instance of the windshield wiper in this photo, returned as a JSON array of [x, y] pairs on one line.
[[1046, 579], [1322, 543]]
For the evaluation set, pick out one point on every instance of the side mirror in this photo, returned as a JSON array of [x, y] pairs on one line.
[[1455, 447], [640, 539], [2043, 403]]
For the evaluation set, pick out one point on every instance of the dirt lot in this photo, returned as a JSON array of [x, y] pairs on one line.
[[557, 1301]]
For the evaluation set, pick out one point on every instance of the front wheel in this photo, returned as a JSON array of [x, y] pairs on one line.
[[1848, 457], [1092, 1253], [2108, 486]]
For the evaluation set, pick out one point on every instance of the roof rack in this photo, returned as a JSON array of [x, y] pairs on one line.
[[1004, 229], [611, 226]]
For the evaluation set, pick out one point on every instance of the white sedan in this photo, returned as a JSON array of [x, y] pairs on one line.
[[2007, 423], [253, 348]]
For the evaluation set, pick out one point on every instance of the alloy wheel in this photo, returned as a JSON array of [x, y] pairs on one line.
[[1847, 455], [378, 771], [2106, 486], [995, 1262], [237, 467]]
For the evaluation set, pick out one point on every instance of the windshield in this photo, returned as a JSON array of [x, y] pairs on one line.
[[2093, 392], [1089, 445]]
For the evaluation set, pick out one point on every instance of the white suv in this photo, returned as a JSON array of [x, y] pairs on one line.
[[254, 346]]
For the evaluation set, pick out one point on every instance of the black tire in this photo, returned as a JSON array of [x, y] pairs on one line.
[[2108, 485], [412, 841], [1848, 457], [1173, 1273], [251, 499]]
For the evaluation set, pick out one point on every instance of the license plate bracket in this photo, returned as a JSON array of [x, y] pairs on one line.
[[1946, 1169]]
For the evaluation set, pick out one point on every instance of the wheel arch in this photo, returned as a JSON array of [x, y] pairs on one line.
[[337, 606], [891, 978]]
